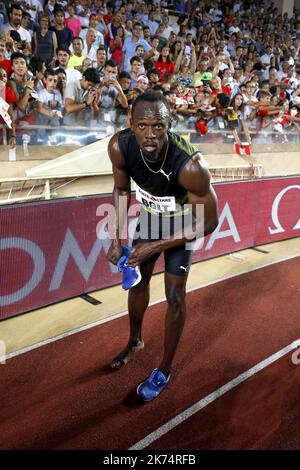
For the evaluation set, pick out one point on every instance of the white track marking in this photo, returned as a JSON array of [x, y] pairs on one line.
[[172, 423], [118, 315]]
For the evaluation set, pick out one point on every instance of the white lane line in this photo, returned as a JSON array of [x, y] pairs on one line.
[[172, 423], [121, 314]]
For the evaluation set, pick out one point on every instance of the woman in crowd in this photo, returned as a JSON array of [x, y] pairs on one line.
[[44, 41], [164, 64], [116, 47], [185, 67]]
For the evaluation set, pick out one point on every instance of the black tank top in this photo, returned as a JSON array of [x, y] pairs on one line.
[[179, 153]]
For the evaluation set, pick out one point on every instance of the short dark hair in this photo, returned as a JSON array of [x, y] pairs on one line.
[[50, 72], [78, 37], [15, 6], [111, 63], [91, 75], [124, 74], [36, 64], [224, 100], [151, 96], [136, 58], [58, 10], [63, 48], [17, 55]]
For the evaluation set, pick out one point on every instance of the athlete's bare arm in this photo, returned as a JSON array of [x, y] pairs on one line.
[[121, 197]]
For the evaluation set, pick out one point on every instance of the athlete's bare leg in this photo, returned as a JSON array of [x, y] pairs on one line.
[[175, 318], [138, 300]]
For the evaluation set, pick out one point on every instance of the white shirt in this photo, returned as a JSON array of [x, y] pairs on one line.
[[24, 34], [45, 97], [72, 75], [99, 37], [248, 109], [92, 54]]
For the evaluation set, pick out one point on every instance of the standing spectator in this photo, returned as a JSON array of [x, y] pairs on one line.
[[73, 22], [152, 23], [110, 89], [136, 65], [101, 59], [78, 56], [7, 94], [89, 49], [44, 41], [14, 24], [34, 8], [94, 25], [164, 64], [116, 46], [63, 33], [26, 23], [131, 43], [49, 101], [81, 97], [4, 61], [185, 67], [63, 55], [236, 120], [22, 84]]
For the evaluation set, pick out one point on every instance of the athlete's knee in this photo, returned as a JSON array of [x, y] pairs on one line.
[[143, 285], [176, 299]]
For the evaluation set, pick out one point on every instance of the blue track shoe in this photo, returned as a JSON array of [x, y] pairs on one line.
[[153, 386], [130, 276]]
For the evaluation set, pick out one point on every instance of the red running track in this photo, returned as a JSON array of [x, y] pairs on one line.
[[64, 396]]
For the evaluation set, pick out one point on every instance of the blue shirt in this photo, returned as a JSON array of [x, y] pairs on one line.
[[129, 49]]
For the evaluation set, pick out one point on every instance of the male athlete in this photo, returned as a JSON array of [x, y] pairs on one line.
[[169, 173]]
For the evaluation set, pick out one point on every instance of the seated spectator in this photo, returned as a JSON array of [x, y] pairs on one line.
[[81, 97], [49, 101]]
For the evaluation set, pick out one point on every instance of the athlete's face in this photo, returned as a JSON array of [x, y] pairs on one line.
[[150, 123]]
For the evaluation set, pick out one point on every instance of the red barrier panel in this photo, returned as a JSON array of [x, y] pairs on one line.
[[49, 250]]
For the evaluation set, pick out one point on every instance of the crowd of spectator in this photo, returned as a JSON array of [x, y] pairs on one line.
[[232, 64]]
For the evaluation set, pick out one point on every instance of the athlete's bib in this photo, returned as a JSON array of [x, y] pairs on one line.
[[158, 204]]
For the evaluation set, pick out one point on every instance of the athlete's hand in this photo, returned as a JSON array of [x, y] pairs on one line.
[[115, 252], [141, 252]]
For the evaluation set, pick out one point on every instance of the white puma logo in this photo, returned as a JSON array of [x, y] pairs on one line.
[[165, 174], [185, 269]]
